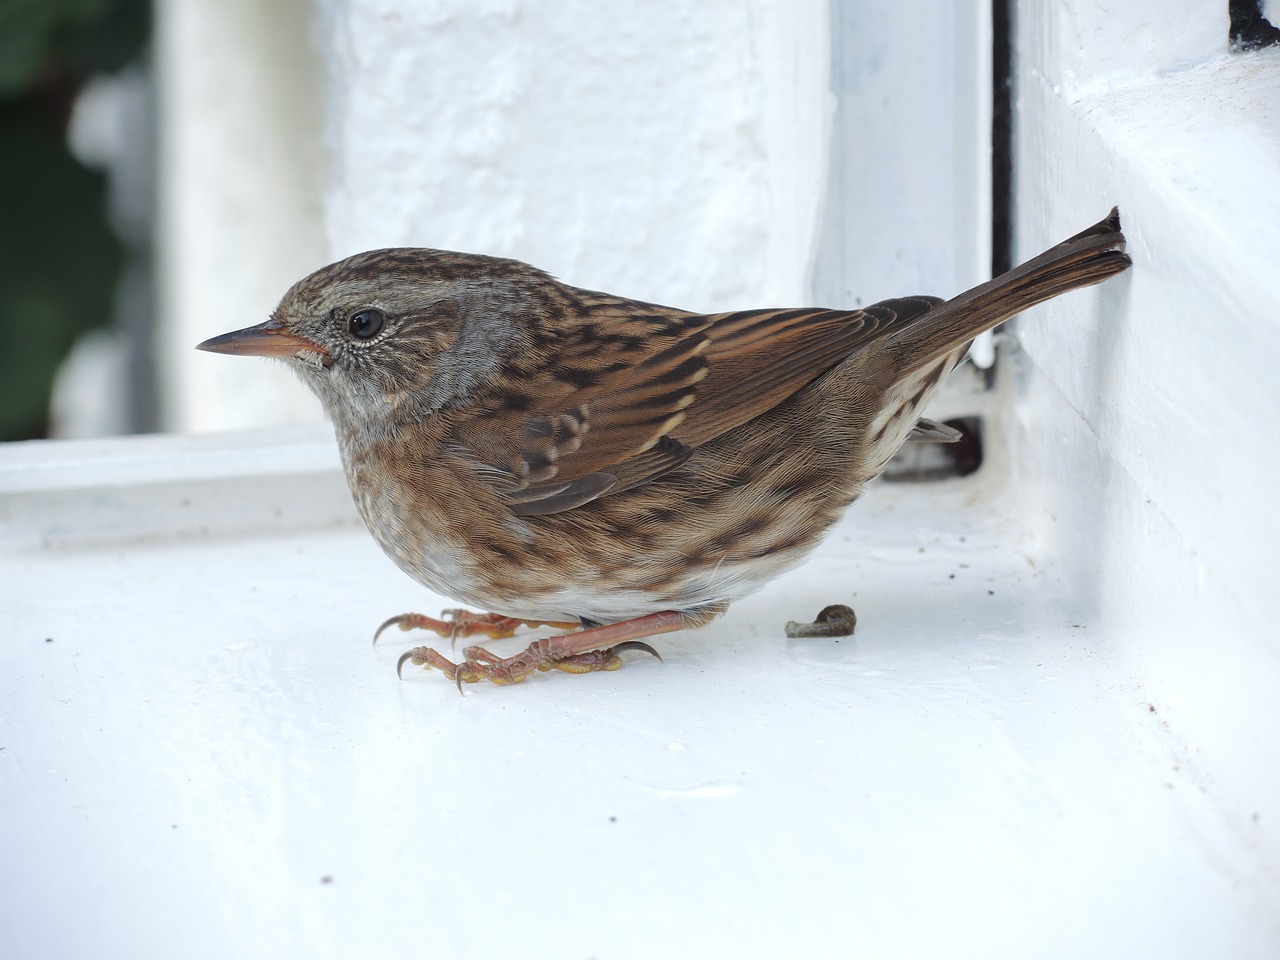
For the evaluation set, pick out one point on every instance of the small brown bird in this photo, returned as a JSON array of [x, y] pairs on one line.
[[610, 467]]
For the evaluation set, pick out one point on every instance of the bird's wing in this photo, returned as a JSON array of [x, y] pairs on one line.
[[758, 358], [631, 395], [595, 418]]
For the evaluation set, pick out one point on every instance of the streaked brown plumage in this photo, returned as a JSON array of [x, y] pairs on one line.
[[564, 456]]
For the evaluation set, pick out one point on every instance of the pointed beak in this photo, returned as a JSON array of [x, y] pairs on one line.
[[269, 339]]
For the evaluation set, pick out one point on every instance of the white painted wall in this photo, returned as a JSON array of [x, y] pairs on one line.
[[669, 151], [1144, 447]]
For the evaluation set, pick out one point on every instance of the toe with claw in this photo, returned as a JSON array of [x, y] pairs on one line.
[[457, 624]]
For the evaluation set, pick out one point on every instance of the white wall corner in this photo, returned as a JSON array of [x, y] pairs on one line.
[[1142, 440]]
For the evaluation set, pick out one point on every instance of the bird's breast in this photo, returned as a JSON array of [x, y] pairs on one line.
[[415, 505]]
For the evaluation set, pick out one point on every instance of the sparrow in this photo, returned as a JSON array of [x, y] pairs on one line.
[[611, 468]]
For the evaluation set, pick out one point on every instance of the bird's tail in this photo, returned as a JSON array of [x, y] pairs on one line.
[[1085, 259]]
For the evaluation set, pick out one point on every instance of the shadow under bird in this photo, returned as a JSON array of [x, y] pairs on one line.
[[611, 468]]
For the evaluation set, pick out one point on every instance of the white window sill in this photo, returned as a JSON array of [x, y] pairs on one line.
[[202, 754]]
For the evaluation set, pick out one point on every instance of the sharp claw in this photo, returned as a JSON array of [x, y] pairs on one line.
[[636, 645], [386, 623], [457, 678], [400, 663]]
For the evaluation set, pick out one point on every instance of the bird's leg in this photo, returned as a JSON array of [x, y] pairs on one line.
[[596, 648], [464, 623]]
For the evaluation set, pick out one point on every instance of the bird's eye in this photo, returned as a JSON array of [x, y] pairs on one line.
[[367, 323]]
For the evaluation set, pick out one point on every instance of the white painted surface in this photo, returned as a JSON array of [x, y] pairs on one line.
[[1144, 452], [666, 151], [196, 733]]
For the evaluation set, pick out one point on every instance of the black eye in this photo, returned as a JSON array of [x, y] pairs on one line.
[[367, 323]]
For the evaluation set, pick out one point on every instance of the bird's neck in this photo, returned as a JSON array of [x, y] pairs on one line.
[[364, 425]]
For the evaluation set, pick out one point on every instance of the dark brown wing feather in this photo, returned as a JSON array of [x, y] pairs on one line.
[[609, 425], [596, 418], [758, 358], [540, 498]]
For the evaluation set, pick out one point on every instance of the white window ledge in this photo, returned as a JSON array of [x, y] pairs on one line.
[[201, 754]]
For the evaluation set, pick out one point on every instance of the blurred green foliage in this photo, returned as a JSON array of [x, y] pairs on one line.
[[59, 259]]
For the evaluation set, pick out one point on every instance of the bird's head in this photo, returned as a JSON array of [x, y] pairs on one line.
[[413, 330]]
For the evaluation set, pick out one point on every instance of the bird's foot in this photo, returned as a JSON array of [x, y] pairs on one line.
[[586, 651], [464, 623], [479, 664]]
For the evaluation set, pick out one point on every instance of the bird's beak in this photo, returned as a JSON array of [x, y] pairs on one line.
[[269, 339]]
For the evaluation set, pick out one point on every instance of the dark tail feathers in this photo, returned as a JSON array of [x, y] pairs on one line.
[[1089, 257]]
